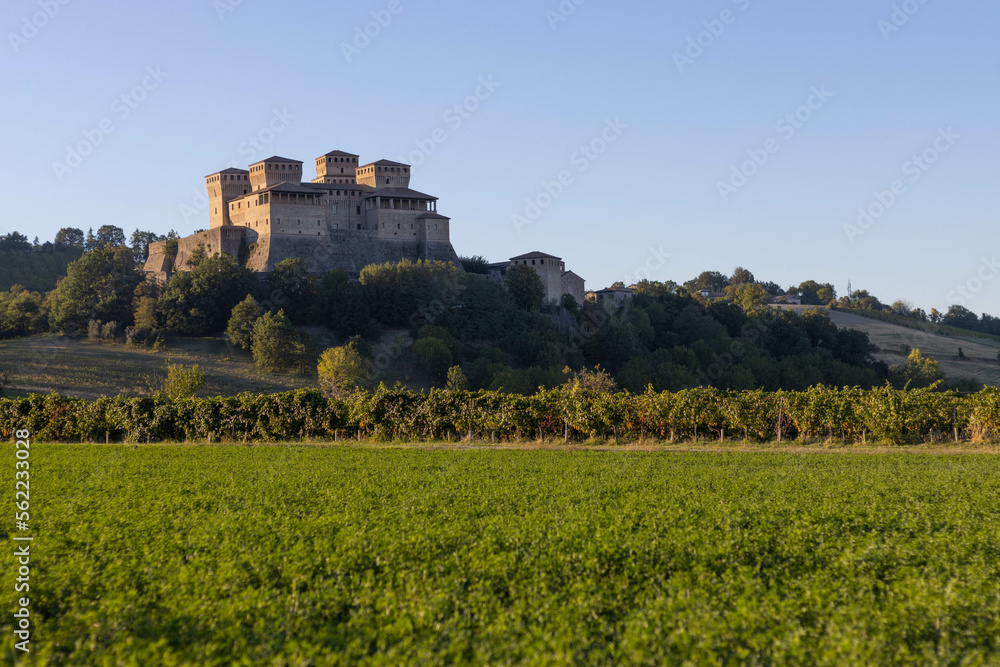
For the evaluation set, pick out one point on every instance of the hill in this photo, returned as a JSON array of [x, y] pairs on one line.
[[88, 369], [941, 343]]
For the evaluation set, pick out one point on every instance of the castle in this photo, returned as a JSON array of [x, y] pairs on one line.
[[348, 217]]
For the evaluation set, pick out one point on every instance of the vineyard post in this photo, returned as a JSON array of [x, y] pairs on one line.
[[780, 414], [954, 420]]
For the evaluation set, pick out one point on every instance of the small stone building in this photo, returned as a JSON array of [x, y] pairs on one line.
[[556, 280]]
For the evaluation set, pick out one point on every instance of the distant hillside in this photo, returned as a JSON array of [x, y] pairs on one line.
[[942, 343], [38, 269]]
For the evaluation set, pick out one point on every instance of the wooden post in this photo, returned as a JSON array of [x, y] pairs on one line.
[[780, 415]]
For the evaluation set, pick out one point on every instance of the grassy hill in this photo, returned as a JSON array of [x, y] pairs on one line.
[[942, 343], [88, 369]]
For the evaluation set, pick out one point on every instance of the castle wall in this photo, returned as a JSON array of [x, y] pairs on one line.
[[327, 228]]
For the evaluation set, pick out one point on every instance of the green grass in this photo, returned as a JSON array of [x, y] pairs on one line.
[[323, 556], [88, 369]]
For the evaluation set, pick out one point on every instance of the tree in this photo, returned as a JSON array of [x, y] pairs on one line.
[[816, 294], [90, 243], [919, 372], [183, 382], [15, 243], [277, 346], [598, 380], [22, 313], [475, 264], [525, 287], [343, 306], [404, 293], [201, 301], [197, 256], [292, 288], [241, 324], [457, 380], [713, 281], [750, 297], [570, 304], [6, 380], [343, 370], [110, 235], [98, 286], [140, 244], [70, 237], [960, 316], [433, 355], [741, 277]]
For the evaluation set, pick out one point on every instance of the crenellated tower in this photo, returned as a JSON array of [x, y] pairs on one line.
[[275, 170], [223, 187], [337, 167], [384, 174]]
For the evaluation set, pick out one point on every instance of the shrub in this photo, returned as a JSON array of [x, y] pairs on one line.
[[277, 346], [457, 380], [183, 382], [241, 323], [343, 370]]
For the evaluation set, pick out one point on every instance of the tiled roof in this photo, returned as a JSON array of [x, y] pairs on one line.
[[387, 163], [275, 158], [535, 255], [229, 171], [399, 193]]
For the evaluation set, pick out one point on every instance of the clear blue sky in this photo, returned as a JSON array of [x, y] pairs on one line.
[[224, 67]]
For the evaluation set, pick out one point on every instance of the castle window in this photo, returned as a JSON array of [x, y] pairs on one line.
[[359, 226], [299, 222], [359, 210], [336, 226], [335, 209], [435, 226]]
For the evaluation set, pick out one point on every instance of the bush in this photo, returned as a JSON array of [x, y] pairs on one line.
[[277, 346], [457, 380], [241, 323], [183, 382], [433, 356], [343, 370]]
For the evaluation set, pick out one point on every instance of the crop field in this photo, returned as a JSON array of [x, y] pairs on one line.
[[176, 555]]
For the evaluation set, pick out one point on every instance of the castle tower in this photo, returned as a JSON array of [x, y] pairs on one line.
[[223, 187], [384, 174], [337, 167], [275, 170]]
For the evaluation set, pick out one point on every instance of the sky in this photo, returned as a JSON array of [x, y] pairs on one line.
[[830, 141]]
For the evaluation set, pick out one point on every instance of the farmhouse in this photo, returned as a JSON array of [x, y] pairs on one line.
[[349, 216]]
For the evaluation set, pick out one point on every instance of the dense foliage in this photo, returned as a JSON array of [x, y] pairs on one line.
[[567, 413], [299, 556], [424, 317]]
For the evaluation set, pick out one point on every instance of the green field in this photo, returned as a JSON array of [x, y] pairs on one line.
[[345, 556]]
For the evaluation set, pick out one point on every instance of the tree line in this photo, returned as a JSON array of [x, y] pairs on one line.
[[436, 324]]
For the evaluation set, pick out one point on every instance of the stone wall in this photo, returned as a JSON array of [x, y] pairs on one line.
[[350, 250]]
